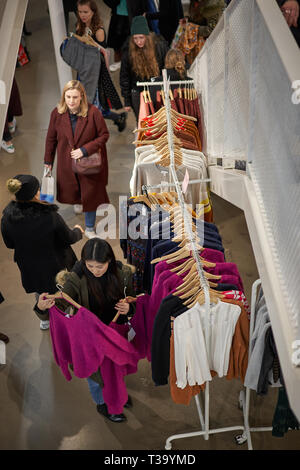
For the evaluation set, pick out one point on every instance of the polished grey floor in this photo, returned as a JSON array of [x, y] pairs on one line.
[[39, 409]]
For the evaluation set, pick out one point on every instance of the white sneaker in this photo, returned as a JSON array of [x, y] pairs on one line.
[[12, 126], [77, 208], [8, 148], [44, 324], [115, 66], [90, 233]]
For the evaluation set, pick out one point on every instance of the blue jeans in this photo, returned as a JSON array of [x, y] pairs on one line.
[[90, 219], [96, 391]]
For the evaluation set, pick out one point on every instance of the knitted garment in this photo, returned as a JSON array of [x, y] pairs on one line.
[[85, 342], [284, 418]]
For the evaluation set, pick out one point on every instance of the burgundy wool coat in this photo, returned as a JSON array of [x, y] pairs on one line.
[[91, 133]]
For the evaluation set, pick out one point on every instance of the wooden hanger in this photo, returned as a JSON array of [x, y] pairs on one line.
[[62, 295]]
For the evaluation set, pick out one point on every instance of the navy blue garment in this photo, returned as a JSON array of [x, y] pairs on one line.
[[153, 23]]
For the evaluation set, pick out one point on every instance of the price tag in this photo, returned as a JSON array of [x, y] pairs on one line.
[[185, 182], [131, 334]]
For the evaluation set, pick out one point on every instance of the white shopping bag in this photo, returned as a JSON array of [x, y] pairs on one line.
[[47, 188]]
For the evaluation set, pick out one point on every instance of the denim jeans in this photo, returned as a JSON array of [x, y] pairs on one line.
[[96, 391], [90, 219]]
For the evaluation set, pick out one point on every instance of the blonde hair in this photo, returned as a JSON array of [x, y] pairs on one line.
[[13, 185], [175, 60], [74, 85]]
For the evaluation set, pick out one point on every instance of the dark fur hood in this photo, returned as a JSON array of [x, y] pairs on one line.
[[17, 211]]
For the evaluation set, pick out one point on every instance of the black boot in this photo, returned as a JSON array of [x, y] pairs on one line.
[[128, 404], [102, 409], [121, 122]]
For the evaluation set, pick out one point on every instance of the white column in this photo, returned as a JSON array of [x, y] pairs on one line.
[[58, 27]]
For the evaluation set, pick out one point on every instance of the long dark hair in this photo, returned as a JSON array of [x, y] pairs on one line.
[[96, 22], [107, 288]]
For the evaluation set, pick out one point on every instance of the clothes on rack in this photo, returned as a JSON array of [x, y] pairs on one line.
[[264, 369], [258, 376], [154, 241], [150, 174], [164, 304], [183, 99]]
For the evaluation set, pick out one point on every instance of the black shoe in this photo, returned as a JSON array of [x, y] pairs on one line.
[[121, 122], [102, 409], [128, 404]]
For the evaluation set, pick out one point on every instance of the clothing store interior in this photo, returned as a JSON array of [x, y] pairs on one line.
[[175, 373]]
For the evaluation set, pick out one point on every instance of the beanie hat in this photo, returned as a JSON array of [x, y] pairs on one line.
[[139, 25], [24, 187]]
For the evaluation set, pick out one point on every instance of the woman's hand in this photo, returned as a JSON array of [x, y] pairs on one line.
[[76, 154], [44, 304], [48, 167], [290, 10], [122, 306], [127, 109]]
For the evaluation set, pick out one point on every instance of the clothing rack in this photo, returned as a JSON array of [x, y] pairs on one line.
[[172, 82], [204, 283]]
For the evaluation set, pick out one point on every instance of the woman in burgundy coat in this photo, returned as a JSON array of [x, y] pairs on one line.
[[77, 129]]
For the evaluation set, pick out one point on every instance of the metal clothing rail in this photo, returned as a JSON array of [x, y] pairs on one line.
[[175, 82], [157, 186], [204, 283]]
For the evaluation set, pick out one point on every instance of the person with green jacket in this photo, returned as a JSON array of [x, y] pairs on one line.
[[102, 285]]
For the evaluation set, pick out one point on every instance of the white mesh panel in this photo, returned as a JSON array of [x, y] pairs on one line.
[[275, 154], [238, 26], [248, 113]]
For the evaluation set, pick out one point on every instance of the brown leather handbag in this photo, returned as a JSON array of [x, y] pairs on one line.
[[88, 165]]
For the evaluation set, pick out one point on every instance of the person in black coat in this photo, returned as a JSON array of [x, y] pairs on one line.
[[169, 14], [143, 58], [38, 235], [122, 13]]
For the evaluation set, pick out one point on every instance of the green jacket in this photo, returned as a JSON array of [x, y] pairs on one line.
[[76, 287]]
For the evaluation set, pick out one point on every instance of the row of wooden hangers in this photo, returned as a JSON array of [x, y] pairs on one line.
[[157, 124], [186, 91], [191, 289]]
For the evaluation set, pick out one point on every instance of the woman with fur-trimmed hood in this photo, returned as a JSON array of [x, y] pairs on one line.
[[103, 286]]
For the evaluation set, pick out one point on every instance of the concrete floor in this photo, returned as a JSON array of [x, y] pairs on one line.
[[39, 409]]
